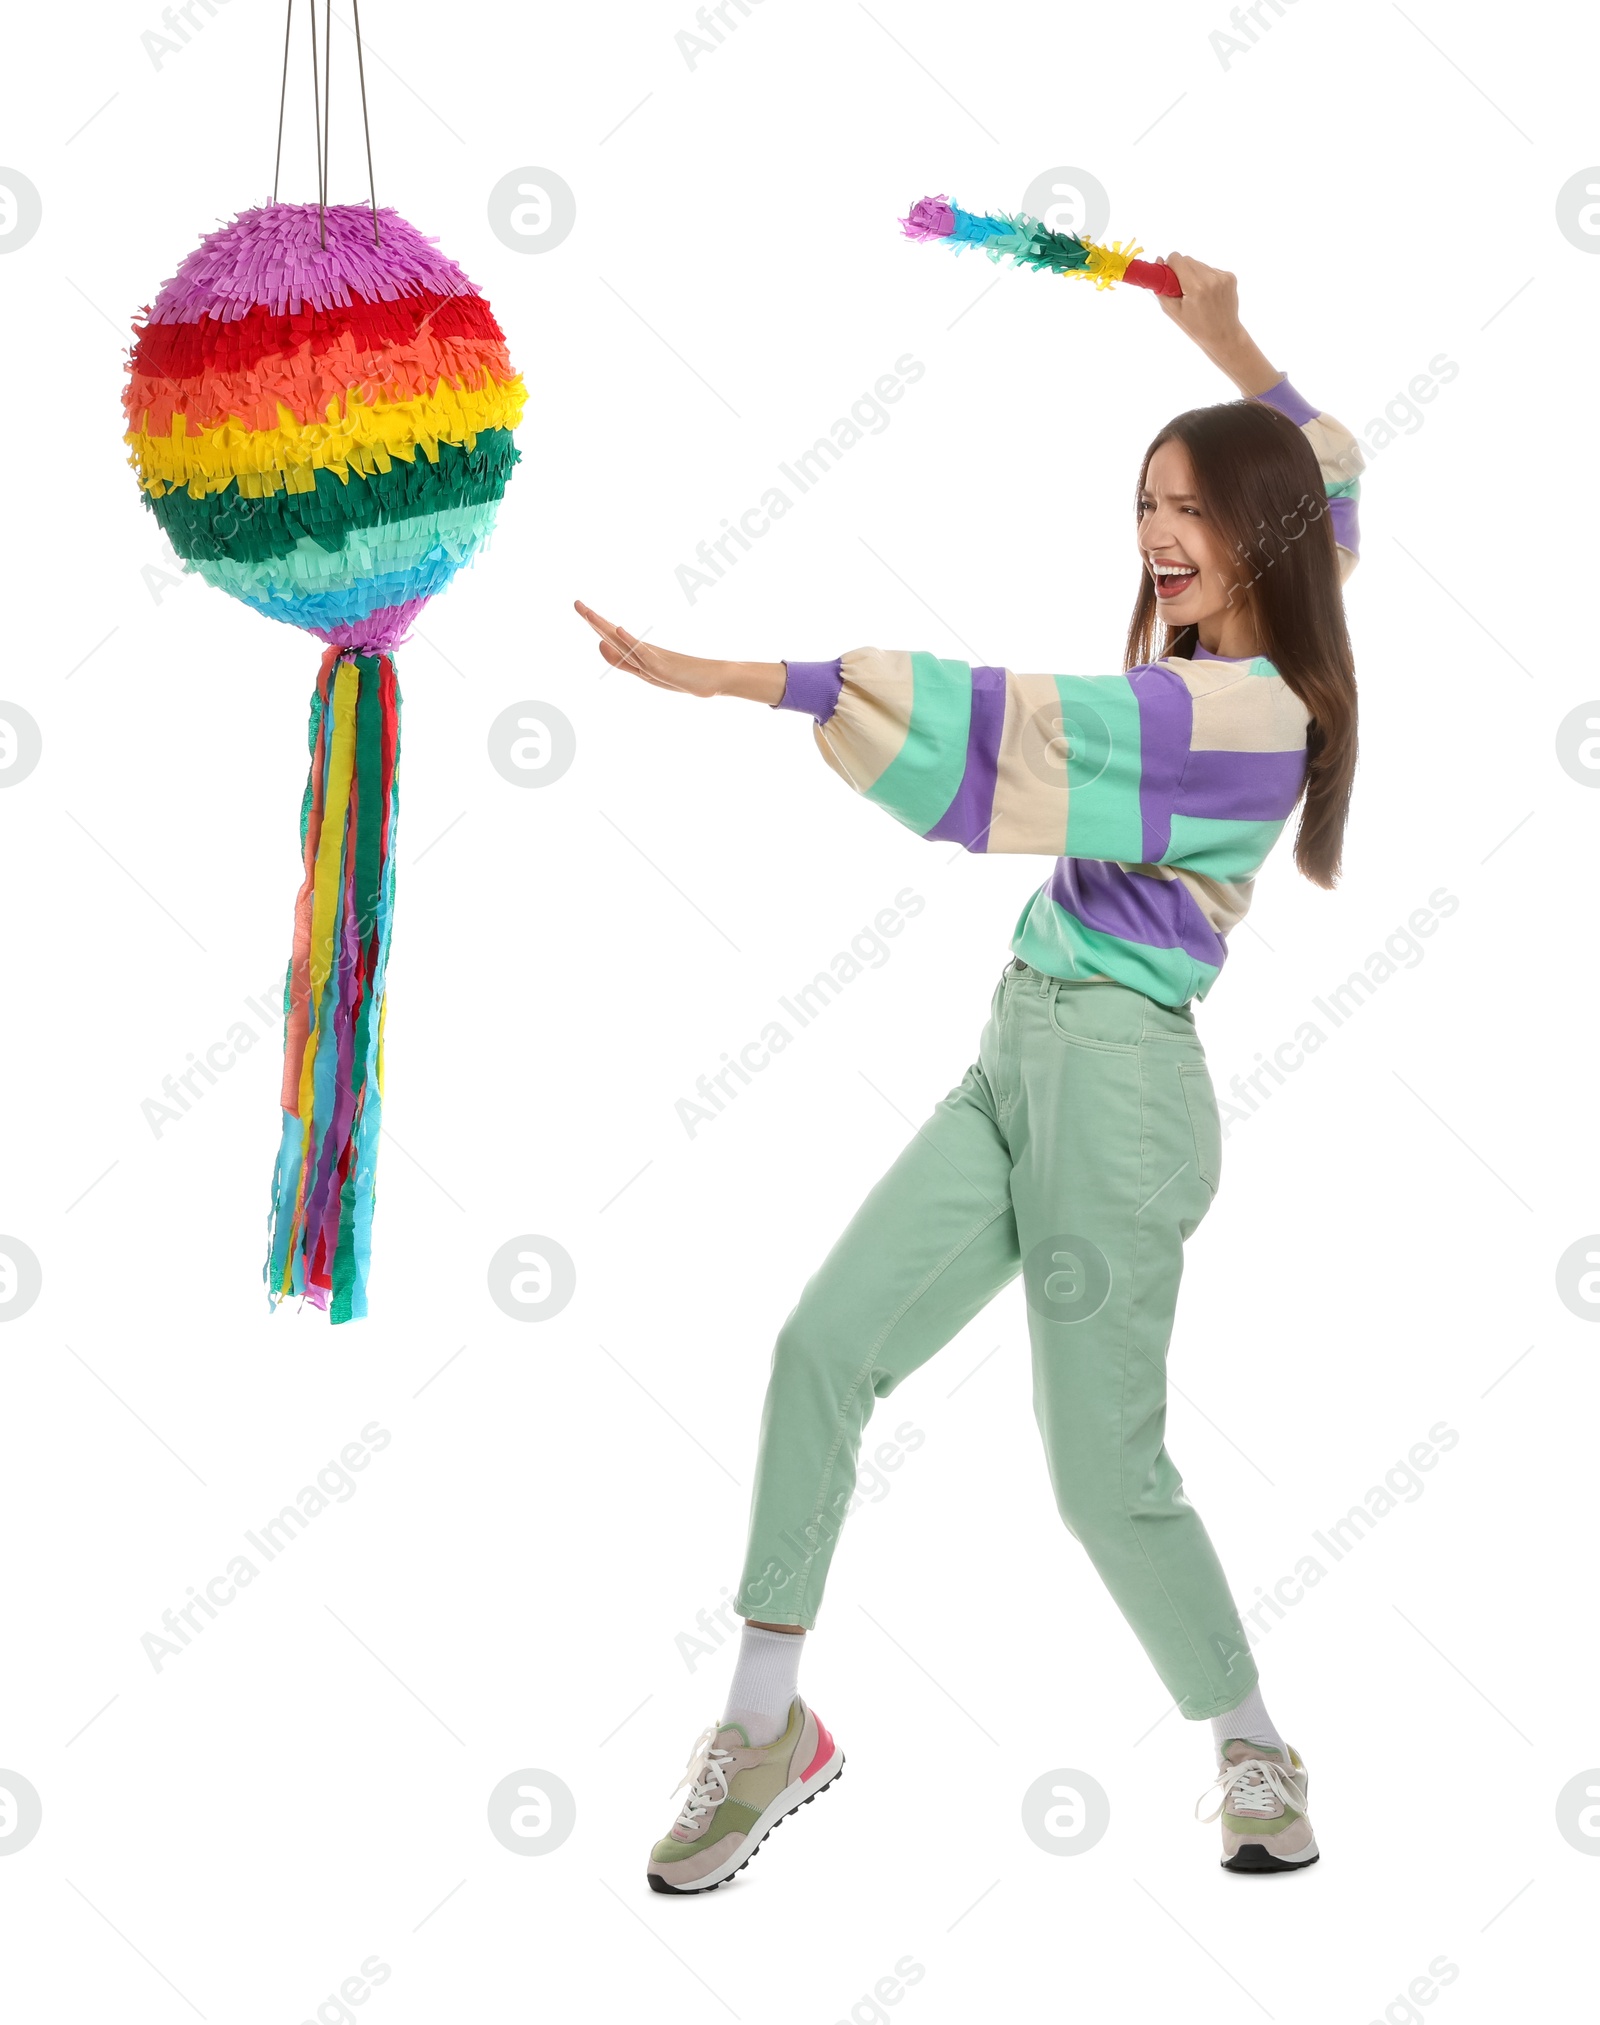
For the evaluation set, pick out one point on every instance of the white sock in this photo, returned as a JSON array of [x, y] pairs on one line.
[[1249, 1721], [763, 1684]]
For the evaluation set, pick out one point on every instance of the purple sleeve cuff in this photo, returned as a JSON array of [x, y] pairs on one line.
[[1288, 401], [812, 686]]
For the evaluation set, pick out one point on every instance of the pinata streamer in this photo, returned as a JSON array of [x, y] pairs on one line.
[[320, 410], [1027, 243]]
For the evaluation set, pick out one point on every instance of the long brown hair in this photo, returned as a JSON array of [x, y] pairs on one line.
[[1259, 485]]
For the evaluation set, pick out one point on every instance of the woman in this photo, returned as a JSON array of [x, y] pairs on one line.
[[1083, 1147]]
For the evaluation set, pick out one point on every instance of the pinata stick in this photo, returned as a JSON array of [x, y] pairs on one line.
[[1027, 243]]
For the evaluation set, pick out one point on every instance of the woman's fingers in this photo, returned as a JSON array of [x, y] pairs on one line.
[[632, 647], [603, 627], [617, 645], [626, 654], [1195, 275], [658, 666]]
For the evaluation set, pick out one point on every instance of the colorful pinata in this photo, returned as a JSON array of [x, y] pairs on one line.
[[320, 411]]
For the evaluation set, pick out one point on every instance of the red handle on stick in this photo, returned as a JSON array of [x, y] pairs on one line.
[[1155, 275]]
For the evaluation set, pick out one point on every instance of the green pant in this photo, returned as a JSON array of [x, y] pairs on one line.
[[1082, 1148]]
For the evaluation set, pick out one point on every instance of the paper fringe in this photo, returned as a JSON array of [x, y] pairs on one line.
[[366, 553], [273, 258], [367, 436], [321, 611], [177, 351], [325, 1182], [223, 526], [309, 386], [380, 632]]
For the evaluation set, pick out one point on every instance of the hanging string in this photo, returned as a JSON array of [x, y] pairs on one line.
[[316, 123], [327, 96], [322, 109], [283, 94], [372, 187]]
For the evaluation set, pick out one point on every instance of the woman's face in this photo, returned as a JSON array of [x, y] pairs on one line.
[[1194, 576]]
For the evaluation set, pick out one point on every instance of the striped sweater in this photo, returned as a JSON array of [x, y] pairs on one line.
[[1178, 778]]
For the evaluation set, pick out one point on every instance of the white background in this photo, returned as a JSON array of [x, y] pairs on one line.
[[306, 1785]]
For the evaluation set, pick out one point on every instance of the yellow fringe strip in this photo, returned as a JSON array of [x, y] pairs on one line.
[[369, 436], [1107, 264]]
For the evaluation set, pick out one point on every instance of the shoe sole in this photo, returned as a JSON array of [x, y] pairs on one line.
[[777, 1813], [1251, 1860]]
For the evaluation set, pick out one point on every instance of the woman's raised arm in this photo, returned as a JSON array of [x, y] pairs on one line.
[[1208, 312]]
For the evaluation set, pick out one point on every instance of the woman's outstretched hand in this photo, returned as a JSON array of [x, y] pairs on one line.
[[758, 681], [1208, 312]]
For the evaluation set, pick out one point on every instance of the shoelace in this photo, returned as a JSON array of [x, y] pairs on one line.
[[706, 1776], [1249, 1784]]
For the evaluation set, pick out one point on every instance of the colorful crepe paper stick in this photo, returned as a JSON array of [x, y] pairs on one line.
[[1027, 243]]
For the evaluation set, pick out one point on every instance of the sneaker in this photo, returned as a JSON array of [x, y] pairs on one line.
[[738, 1793], [1262, 1803]]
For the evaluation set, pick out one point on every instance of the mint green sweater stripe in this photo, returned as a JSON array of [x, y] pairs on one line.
[[1100, 719], [1218, 848], [1053, 941], [920, 782]]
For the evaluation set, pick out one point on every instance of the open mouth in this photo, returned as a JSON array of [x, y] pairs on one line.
[[1173, 579]]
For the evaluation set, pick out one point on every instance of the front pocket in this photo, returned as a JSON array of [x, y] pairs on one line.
[[1089, 1015], [1204, 1124]]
